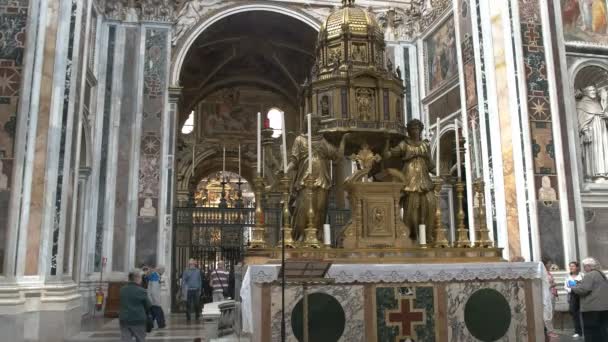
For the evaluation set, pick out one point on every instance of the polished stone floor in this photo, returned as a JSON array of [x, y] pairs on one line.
[[101, 329]]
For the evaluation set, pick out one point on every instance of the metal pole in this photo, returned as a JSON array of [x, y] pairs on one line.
[[305, 311], [283, 275]]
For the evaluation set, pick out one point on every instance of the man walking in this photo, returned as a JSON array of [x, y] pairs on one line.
[[192, 283], [219, 283], [134, 307]]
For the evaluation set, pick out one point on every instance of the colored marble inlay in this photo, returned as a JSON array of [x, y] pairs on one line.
[[156, 63], [539, 110], [459, 294], [405, 312]]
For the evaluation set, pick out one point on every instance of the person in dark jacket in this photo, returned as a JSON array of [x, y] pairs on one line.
[[593, 292], [134, 308]]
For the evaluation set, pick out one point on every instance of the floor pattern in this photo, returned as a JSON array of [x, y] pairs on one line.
[[177, 330]]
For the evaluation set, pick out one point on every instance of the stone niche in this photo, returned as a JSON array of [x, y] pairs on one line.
[[596, 220]]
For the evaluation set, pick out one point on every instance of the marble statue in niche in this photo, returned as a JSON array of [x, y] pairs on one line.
[[593, 132], [546, 193], [324, 105], [148, 209], [3, 177]]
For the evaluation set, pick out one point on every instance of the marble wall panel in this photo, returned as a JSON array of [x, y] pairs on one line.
[[551, 238], [349, 296], [458, 295], [146, 242], [124, 162], [105, 136], [155, 88], [538, 100], [13, 20], [596, 220]]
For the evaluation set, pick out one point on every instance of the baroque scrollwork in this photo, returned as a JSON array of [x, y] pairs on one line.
[[402, 23], [146, 10]]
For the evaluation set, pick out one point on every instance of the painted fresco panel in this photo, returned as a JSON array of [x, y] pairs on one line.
[[440, 52], [224, 119], [585, 22]]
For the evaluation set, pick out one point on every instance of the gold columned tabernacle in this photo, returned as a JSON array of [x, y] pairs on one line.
[[258, 240]]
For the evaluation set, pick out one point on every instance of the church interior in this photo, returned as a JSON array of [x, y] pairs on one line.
[[365, 170]]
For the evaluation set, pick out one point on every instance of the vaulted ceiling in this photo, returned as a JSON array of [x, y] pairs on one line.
[[264, 49]]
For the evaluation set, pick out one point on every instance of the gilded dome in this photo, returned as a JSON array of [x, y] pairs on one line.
[[353, 19]]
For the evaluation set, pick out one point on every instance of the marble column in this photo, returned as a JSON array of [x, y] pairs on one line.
[[38, 299]]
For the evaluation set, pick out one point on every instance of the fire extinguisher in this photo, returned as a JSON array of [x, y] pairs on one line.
[[99, 296]]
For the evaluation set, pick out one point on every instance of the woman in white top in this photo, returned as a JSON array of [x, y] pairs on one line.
[[574, 277]]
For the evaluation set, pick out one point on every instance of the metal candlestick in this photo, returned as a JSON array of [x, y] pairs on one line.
[[286, 237], [482, 232], [462, 239], [441, 240], [258, 239], [223, 202], [310, 232], [239, 195]]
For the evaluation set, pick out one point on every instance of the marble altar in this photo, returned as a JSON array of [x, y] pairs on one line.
[[394, 302]]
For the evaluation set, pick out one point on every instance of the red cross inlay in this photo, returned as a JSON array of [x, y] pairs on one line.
[[405, 317]]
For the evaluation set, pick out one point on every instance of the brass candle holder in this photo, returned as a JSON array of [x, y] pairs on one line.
[[482, 232], [462, 238], [440, 238], [258, 239], [310, 232], [286, 230]]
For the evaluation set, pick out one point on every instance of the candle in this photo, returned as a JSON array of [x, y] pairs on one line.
[[331, 170], [422, 234], [224, 162], [438, 148], [457, 148], [309, 117], [259, 151], [239, 162], [326, 234], [284, 147]]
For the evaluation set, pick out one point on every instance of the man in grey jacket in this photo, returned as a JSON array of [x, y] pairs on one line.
[[593, 291], [192, 283]]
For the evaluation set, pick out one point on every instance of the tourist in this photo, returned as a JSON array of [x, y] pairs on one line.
[[219, 283], [593, 292], [549, 304], [573, 278], [156, 311], [144, 277], [134, 308], [192, 282]]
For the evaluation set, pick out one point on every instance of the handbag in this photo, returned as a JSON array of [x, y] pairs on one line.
[[224, 291]]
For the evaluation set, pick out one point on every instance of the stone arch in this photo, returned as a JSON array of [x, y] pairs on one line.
[[186, 42], [445, 130]]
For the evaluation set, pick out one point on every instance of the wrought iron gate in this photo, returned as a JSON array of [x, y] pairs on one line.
[[211, 234]]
